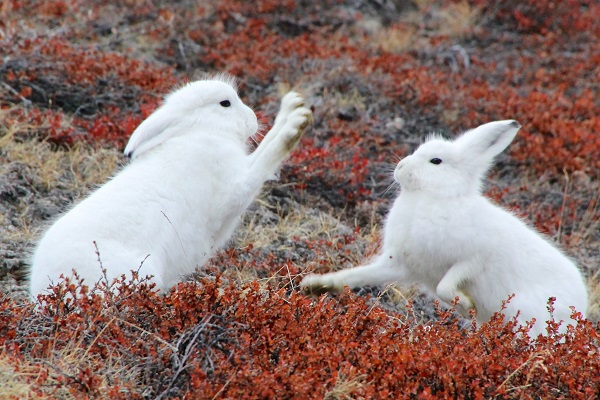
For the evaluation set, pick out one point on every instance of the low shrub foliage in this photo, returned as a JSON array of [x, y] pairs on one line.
[[211, 339]]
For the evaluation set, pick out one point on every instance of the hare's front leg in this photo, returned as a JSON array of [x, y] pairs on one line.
[[383, 270], [290, 123], [449, 288], [290, 102], [280, 141], [272, 151]]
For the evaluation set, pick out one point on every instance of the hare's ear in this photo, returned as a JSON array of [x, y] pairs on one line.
[[482, 144], [157, 128]]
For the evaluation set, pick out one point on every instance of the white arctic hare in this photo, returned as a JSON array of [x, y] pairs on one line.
[[442, 233], [182, 195]]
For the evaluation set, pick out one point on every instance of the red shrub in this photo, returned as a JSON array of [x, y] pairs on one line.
[[545, 16], [246, 342]]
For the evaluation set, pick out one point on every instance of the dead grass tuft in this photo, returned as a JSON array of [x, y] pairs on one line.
[[13, 373], [281, 231], [73, 172], [593, 283], [298, 222], [457, 19], [77, 169], [395, 39], [430, 19], [346, 387]]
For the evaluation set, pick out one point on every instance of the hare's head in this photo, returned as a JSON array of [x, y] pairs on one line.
[[455, 168], [210, 106]]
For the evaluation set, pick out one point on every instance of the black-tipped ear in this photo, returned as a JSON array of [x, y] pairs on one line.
[[515, 124]]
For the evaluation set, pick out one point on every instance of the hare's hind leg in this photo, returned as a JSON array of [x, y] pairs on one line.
[[450, 287], [383, 270]]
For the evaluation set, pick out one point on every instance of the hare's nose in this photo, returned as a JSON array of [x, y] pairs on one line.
[[401, 165], [397, 172]]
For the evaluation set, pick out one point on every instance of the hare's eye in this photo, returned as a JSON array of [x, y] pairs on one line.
[[435, 161], [225, 103]]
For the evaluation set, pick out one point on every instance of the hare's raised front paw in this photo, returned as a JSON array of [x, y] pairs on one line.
[[294, 127], [290, 102]]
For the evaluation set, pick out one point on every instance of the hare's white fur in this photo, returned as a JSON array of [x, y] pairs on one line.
[[178, 201], [442, 233]]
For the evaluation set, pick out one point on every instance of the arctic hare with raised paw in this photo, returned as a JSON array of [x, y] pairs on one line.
[[442, 233], [190, 178]]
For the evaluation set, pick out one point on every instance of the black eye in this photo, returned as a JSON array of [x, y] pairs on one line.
[[225, 103], [435, 161]]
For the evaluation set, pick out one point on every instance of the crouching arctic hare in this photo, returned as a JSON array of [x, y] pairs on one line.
[[180, 198], [442, 233]]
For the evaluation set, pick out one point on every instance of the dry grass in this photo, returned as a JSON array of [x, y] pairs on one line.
[[76, 170], [351, 101], [44, 178], [395, 39], [67, 363], [13, 377], [456, 19], [583, 240], [593, 283], [346, 387], [430, 19], [584, 229], [399, 295], [299, 222], [70, 363], [270, 227]]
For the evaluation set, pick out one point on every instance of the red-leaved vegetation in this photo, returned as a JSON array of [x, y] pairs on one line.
[[227, 341]]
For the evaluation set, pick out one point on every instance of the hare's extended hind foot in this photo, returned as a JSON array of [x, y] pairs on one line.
[[316, 285]]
